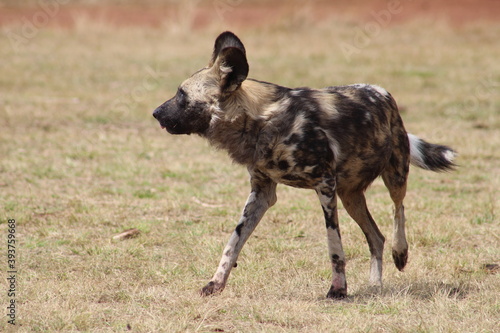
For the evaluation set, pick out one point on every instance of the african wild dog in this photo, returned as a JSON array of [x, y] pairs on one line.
[[335, 140]]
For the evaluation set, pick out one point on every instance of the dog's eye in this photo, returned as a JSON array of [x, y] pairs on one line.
[[181, 97]]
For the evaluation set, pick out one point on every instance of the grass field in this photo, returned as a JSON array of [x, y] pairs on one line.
[[82, 159]]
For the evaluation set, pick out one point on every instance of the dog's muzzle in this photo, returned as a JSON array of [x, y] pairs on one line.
[[171, 125]]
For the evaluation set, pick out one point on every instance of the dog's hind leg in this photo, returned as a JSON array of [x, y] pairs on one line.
[[328, 198], [395, 176], [355, 204], [262, 197], [395, 180]]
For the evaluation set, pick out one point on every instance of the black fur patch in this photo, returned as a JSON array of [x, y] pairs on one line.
[[238, 229]]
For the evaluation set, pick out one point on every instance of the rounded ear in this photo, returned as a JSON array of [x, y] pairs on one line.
[[233, 68], [225, 40]]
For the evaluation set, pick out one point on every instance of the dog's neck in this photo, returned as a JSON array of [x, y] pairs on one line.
[[238, 136], [237, 122], [252, 98]]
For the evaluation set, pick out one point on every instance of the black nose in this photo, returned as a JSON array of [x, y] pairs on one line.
[[156, 113]]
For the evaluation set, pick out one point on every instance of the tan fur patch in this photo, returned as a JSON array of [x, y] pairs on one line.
[[298, 124], [251, 98], [327, 103], [271, 109], [202, 86]]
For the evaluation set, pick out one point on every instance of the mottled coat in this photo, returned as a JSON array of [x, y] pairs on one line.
[[334, 140]]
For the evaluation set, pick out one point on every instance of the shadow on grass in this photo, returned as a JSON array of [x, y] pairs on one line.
[[422, 291]]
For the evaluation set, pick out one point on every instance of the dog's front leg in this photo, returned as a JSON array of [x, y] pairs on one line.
[[262, 197], [327, 195]]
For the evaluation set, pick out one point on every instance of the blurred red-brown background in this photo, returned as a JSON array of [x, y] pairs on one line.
[[246, 13]]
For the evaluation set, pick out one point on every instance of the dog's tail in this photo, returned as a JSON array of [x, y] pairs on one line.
[[430, 156]]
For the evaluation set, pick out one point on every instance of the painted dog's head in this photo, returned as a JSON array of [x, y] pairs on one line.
[[198, 98]]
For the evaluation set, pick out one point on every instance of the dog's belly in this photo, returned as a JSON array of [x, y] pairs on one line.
[[301, 178]]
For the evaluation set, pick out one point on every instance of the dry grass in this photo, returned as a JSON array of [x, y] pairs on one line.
[[82, 160]]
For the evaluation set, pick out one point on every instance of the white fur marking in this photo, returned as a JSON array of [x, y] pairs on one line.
[[251, 198], [334, 243], [449, 155], [416, 155], [225, 69], [296, 92], [368, 116], [379, 89]]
